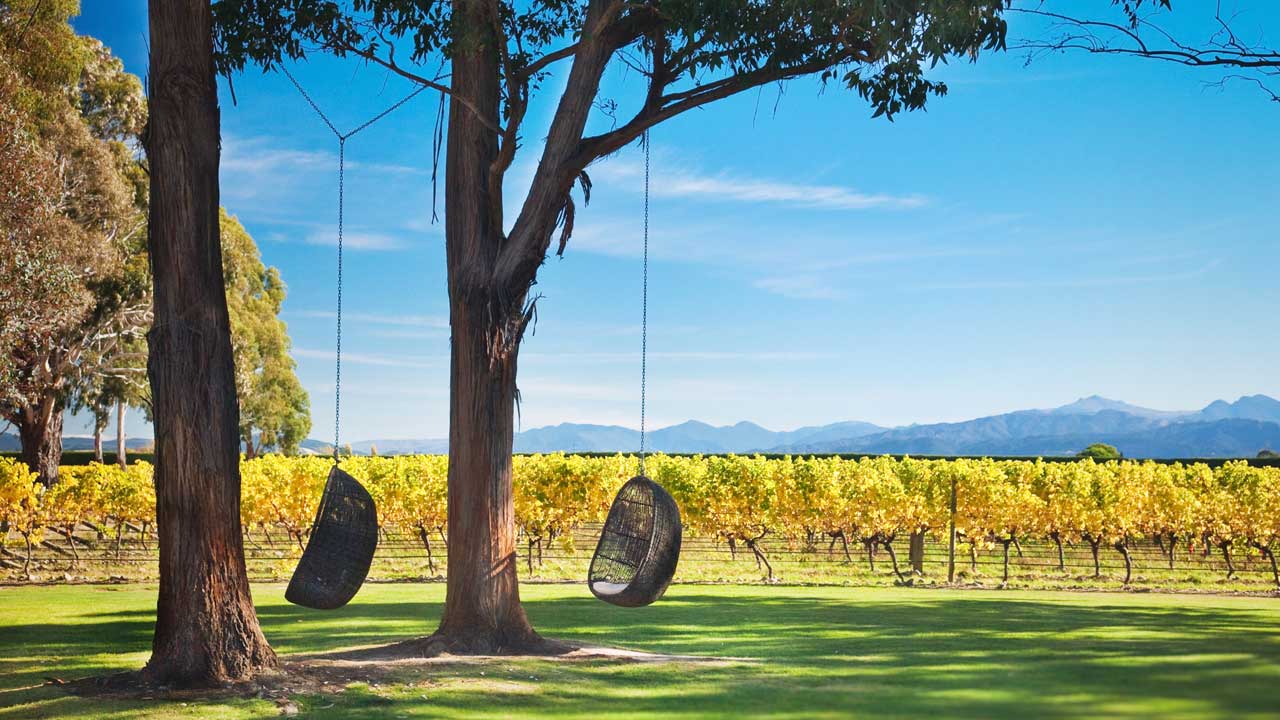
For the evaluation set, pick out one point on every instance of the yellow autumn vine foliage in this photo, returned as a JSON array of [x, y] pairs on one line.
[[19, 497], [731, 498]]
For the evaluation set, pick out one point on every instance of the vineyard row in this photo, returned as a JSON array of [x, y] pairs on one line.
[[765, 509]]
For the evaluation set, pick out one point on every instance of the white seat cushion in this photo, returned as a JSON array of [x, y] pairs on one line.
[[608, 588]]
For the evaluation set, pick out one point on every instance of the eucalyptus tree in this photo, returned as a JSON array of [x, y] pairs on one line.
[[73, 291], [207, 629], [494, 57], [275, 412]]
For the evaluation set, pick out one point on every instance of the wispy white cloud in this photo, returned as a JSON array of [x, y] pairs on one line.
[[411, 334], [263, 155], [801, 287], [423, 321], [729, 187], [398, 390], [356, 240], [708, 355], [1076, 282], [532, 388], [378, 360], [829, 278]]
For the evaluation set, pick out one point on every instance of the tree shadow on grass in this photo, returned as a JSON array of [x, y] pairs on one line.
[[952, 655], [834, 654]]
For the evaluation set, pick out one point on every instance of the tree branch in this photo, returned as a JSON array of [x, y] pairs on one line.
[[390, 64], [593, 148], [531, 234], [1232, 54], [543, 62], [517, 103]]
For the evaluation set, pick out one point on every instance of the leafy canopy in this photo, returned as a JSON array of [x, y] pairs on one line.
[[274, 409], [1100, 451], [880, 48], [71, 213]]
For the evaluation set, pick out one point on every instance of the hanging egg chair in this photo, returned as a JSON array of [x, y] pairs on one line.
[[340, 548], [639, 546], [344, 535]]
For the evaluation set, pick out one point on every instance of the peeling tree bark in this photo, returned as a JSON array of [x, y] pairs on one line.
[[121, 457], [206, 627], [99, 424]]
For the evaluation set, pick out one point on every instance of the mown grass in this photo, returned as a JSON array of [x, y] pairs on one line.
[[808, 652]]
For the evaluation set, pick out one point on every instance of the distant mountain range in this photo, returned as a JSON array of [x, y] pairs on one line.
[[10, 443], [687, 437], [1221, 429], [691, 436]]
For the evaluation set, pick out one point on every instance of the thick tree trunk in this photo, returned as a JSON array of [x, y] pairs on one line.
[[482, 611], [40, 431], [206, 627], [121, 456]]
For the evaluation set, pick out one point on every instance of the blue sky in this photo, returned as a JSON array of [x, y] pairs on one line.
[[1077, 226]]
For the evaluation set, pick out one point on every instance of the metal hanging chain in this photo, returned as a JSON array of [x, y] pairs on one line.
[[644, 304], [342, 164], [337, 368]]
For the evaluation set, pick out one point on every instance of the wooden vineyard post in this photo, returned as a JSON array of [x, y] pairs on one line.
[[951, 545]]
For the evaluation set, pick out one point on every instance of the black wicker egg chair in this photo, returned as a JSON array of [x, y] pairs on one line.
[[340, 549], [639, 546]]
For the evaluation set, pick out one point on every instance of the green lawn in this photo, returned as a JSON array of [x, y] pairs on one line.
[[811, 652]]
